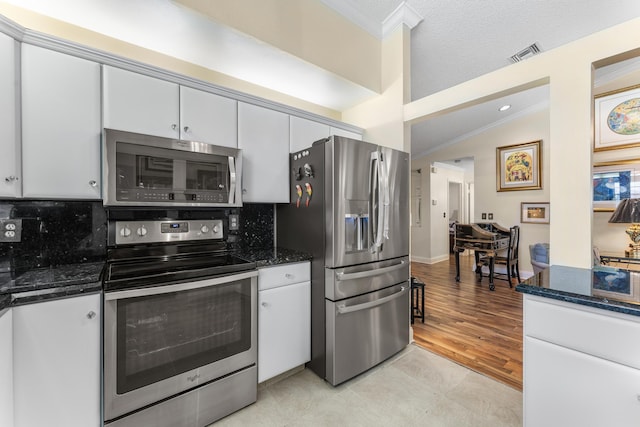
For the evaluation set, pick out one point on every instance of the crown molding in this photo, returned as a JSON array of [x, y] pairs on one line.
[[403, 15]]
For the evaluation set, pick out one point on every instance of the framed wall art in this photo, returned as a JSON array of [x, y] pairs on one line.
[[536, 213], [519, 167], [614, 181], [617, 119]]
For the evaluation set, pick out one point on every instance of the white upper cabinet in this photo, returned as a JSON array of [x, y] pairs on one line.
[[137, 103], [206, 117], [141, 104], [305, 132], [10, 183], [263, 135], [60, 125]]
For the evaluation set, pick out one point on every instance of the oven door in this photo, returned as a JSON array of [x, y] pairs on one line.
[[164, 340]]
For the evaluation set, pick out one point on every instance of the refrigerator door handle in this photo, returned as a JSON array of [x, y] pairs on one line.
[[369, 273], [367, 305], [387, 197], [376, 198]]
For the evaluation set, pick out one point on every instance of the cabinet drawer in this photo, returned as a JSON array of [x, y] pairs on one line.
[[282, 275], [601, 333]]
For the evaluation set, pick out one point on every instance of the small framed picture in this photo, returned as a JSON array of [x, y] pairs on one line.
[[617, 119], [537, 213], [614, 181], [519, 167]]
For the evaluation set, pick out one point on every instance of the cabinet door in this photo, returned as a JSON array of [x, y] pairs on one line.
[[209, 118], [305, 132], [137, 103], [284, 329], [263, 135], [10, 183], [57, 362], [564, 387], [6, 367], [60, 125]]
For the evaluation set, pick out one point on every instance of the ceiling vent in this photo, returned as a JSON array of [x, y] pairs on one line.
[[525, 53]]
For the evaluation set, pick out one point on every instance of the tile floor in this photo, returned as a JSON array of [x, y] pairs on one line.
[[414, 388]]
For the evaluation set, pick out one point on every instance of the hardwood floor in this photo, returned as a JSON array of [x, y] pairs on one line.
[[467, 323]]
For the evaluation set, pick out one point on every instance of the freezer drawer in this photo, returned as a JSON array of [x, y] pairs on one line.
[[346, 282], [365, 330]]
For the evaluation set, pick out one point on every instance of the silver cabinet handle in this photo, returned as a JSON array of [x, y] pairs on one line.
[[174, 126], [264, 304], [91, 314], [11, 178], [186, 129], [289, 276], [93, 183]]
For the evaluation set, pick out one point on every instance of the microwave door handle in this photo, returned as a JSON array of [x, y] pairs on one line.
[[232, 179]]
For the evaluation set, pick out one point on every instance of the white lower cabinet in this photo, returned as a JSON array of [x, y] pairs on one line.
[[6, 368], [581, 365], [57, 362], [284, 318], [565, 387]]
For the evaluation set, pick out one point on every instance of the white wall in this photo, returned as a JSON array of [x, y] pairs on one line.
[[505, 206]]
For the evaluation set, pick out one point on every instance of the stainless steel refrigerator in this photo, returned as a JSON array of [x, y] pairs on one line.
[[350, 210]]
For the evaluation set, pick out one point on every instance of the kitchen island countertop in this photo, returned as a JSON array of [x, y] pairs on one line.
[[606, 288]]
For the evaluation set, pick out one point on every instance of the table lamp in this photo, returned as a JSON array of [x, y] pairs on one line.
[[628, 212]]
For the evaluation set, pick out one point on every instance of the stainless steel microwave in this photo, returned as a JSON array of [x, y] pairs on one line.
[[144, 170]]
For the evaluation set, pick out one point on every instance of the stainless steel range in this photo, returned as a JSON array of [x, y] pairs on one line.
[[180, 324]]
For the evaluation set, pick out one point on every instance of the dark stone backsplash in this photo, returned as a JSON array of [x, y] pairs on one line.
[[256, 226], [71, 232], [53, 233]]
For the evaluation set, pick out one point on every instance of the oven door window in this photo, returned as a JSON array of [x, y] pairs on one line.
[[160, 336]]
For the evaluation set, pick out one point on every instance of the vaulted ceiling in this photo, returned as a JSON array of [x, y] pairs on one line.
[[459, 40]]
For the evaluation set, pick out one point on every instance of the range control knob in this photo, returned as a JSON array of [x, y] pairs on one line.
[[142, 231], [125, 231], [216, 229], [205, 229]]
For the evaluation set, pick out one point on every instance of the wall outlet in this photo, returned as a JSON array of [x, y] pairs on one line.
[[234, 222], [484, 215], [10, 230], [490, 216]]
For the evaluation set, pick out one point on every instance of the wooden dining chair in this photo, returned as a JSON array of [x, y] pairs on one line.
[[508, 257]]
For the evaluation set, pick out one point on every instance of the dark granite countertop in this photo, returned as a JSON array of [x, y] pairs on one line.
[[273, 256], [52, 282], [606, 288], [74, 279]]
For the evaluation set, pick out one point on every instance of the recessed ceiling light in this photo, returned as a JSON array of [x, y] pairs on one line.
[[504, 107]]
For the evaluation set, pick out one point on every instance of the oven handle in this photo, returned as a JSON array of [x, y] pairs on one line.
[[367, 305], [165, 289]]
